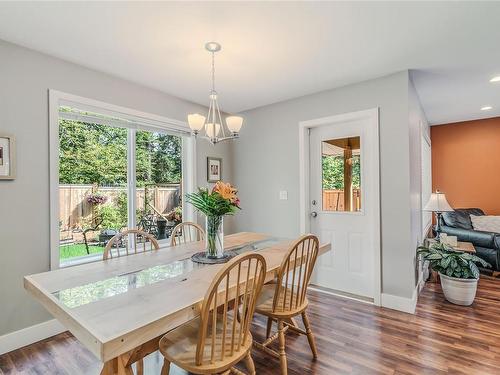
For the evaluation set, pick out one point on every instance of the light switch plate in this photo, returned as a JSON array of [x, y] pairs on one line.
[[283, 195]]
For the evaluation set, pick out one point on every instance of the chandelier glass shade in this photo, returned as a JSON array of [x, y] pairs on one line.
[[212, 127]]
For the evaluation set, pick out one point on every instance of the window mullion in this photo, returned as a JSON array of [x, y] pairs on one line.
[[131, 179]]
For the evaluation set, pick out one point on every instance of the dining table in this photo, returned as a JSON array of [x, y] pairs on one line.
[[119, 308]]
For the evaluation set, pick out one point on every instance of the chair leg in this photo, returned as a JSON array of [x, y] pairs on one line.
[[165, 370], [249, 363], [282, 353], [309, 333], [269, 326]]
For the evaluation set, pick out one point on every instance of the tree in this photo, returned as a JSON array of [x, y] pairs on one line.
[[92, 154], [159, 158], [333, 172], [97, 154]]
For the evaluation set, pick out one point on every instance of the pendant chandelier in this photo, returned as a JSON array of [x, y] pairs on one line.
[[212, 127]]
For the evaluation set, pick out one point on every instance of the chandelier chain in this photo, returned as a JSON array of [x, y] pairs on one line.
[[213, 72]]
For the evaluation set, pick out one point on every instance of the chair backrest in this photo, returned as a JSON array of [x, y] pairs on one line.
[[121, 243], [294, 275], [186, 232], [224, 328]]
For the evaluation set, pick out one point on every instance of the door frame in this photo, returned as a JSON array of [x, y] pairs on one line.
[[372, 115]]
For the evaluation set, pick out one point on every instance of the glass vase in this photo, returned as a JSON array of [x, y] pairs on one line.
[[214, 241]]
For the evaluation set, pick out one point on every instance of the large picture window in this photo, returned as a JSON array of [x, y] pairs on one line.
[[113, 173]]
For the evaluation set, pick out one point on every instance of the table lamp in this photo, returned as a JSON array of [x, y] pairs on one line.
[[438, 204]]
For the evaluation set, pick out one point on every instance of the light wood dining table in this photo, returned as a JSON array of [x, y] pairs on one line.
[[119, 308]]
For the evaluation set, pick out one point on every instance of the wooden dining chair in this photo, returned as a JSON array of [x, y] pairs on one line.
[[286, 298], [186, 232], [121, 243], [220, 337]]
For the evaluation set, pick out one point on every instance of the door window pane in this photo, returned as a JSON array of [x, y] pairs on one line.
[[341, 170], [92, 187], [158, 181]]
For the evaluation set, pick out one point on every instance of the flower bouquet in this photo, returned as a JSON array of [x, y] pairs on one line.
[[96, 198], [215, 204]]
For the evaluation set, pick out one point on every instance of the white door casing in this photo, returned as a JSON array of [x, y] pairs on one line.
[[353, 266]]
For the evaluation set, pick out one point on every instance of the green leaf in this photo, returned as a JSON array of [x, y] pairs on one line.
[[434, 256], [463, 262], [476, 259], [466, 256], [474, 270], [454, 263], [445, 261]]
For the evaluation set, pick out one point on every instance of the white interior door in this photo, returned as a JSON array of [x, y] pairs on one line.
[[344, 204]]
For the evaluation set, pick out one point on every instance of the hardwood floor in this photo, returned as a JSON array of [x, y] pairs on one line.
[[352, 338]]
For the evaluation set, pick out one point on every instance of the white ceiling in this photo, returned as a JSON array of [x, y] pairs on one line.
[[274, 51]]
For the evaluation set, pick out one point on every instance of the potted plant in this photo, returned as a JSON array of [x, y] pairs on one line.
[[215, 204], [175, 216], [457, 270]]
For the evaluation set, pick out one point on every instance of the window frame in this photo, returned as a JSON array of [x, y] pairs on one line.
[[139, 120], [336, 212]]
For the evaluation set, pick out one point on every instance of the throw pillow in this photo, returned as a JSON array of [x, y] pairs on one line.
[[486, 223]]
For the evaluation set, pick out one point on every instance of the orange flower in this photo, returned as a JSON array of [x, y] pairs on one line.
[[226, 191]]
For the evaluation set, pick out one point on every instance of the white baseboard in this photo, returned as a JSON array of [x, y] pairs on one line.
[[29, 335], [407, 305]]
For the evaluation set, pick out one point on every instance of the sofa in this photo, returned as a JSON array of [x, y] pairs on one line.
[[487, 244]]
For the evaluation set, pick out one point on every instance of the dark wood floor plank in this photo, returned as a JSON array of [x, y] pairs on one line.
[[352, 338]]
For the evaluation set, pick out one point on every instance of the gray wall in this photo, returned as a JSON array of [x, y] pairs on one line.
[[266, 160], [25, 77]]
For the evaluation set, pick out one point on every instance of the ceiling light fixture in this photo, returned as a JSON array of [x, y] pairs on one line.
[[486, 108], [495, 79], [212, 125]]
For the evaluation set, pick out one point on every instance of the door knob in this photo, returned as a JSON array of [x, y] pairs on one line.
[[314, 214]]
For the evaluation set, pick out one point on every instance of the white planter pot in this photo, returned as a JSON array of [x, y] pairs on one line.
[[459, 291]]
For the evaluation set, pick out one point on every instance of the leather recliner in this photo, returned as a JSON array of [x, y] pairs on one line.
[[487, 244]]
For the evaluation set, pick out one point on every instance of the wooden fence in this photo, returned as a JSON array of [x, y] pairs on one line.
[[333, 200], [75, 212]]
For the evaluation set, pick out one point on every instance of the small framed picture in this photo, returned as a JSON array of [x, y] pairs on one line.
[[7, 162], [214, 169]]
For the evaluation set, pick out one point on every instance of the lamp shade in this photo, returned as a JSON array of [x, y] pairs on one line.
[[234, 123], [212, 129], [196, 121], [438, 203]]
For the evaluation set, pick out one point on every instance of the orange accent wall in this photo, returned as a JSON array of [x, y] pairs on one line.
[[466, 163]]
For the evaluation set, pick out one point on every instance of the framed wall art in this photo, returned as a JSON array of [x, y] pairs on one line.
[[214, 169], [7, 157]]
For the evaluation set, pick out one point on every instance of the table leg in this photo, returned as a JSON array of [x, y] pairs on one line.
[[123, 369], [123, 364], [117, 366], [110, 367]]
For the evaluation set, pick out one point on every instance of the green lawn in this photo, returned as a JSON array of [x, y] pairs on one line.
[[76, 250]]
